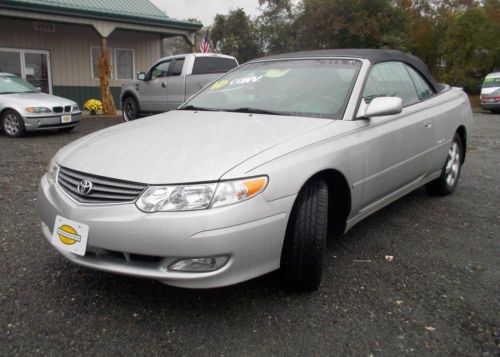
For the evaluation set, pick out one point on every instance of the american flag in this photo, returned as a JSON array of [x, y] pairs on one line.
[[205, 45]]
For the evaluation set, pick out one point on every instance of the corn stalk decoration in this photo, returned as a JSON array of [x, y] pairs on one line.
[[104, 64]]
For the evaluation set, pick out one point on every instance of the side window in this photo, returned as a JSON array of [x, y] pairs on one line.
[[177, 67], [160, 70], [390, 79], [423, 88]]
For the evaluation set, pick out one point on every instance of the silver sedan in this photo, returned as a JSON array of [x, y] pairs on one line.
[[23, 108], [250, 174]]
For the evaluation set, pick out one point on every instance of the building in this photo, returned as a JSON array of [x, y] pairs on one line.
[[54, 44]]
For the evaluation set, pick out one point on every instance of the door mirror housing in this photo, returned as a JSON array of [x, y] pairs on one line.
[[39, 89], [141, 76], [380, 106]]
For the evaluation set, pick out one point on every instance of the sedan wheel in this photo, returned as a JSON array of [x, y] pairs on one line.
[[304, 247], [12, 124], [448, 181]]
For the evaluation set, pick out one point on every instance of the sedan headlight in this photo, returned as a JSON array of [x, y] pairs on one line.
[[37, 110], [52, 169], [199, 196], [75, 108]]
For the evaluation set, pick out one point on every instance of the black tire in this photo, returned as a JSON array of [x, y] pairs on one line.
[[450, 174], [12, 124], [130, 109], [304, 246]]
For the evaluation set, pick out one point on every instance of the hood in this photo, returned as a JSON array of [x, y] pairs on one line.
[[36, 99], [181, 146]]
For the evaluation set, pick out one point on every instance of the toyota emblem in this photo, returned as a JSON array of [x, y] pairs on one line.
[[85, 187]]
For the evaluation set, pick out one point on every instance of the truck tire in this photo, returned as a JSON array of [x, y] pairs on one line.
[[130, 109]]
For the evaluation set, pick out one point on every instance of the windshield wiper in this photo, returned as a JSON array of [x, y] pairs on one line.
[[255, 111], [8, 92], [192, 107]]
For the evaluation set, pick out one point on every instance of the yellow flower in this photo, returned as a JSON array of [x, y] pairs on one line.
[[92, 105]]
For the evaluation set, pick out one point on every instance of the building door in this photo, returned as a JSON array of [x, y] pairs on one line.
[[31, 65]]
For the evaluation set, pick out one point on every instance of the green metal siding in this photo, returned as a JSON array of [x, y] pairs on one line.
[[128, 10], [81, 94]]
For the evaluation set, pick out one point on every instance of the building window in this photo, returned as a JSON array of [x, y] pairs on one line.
[[95, 53], [124, 60]]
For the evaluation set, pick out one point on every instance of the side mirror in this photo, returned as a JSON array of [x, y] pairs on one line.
[[380, 106], [141, 76], [38, 89]]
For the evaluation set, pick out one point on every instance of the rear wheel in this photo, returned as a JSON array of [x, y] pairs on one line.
[[448, 181], [304, 247], [12, 124], [130, 109]]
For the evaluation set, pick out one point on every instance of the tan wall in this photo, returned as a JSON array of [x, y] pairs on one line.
[[69, 48]]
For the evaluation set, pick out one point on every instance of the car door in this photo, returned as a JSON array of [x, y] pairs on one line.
[[153, 90], [397, 148], [176, 91]]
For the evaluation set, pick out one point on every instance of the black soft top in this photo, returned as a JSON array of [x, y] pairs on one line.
[[373, 55]]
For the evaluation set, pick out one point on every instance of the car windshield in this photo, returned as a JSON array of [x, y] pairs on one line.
[[13, 84], [305, 87], [491, 82]]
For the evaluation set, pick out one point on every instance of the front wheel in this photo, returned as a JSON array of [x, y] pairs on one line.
[[304, 247], [448, 181], [12, 124], [130, 109]]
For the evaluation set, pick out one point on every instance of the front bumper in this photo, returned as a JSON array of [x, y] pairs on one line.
[[122, 239], [52, 121]]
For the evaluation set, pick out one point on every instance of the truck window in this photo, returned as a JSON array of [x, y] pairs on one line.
[[176, 68], [206, 65]]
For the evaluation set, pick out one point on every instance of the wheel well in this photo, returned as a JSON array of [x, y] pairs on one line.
[[339, 199], [132, 95], [462, 132]]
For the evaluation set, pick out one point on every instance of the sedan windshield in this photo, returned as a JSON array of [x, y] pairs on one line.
[[306, 87], [13, 84]]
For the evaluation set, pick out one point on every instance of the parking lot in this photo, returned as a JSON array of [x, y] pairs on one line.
[[439, 295]]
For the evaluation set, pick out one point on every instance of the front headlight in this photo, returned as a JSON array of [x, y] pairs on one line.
[[199, 196], [75, 108], [52, 169], [37, 110]]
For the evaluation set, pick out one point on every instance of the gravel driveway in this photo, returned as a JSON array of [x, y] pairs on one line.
[[438, 296]]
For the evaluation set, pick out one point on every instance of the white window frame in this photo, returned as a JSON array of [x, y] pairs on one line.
[[116, 66], [22, 52], [92, 64]]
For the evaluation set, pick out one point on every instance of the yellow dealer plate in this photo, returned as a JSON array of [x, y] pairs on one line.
[[70, 236], [66, 119]]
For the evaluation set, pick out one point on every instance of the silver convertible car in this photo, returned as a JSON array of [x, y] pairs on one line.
[[23, 108], [250, 174]]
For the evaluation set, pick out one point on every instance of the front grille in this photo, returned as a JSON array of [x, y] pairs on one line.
[[104, 189], [57, 109], [67, 108]]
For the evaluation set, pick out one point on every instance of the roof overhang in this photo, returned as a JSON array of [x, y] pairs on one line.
[[104, 25]]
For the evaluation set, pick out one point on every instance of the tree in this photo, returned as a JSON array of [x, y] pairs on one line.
[[348, 23], [470, 48], [235, 34], [276, 26]]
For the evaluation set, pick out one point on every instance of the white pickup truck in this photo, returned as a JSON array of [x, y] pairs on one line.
[[171, 81]]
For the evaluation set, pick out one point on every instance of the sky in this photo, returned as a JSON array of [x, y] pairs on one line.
[[205, 10]]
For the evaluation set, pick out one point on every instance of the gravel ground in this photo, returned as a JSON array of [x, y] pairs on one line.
[[438, 296]]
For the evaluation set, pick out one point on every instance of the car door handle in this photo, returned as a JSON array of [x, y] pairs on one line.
[[164, 84], [427, 125]]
